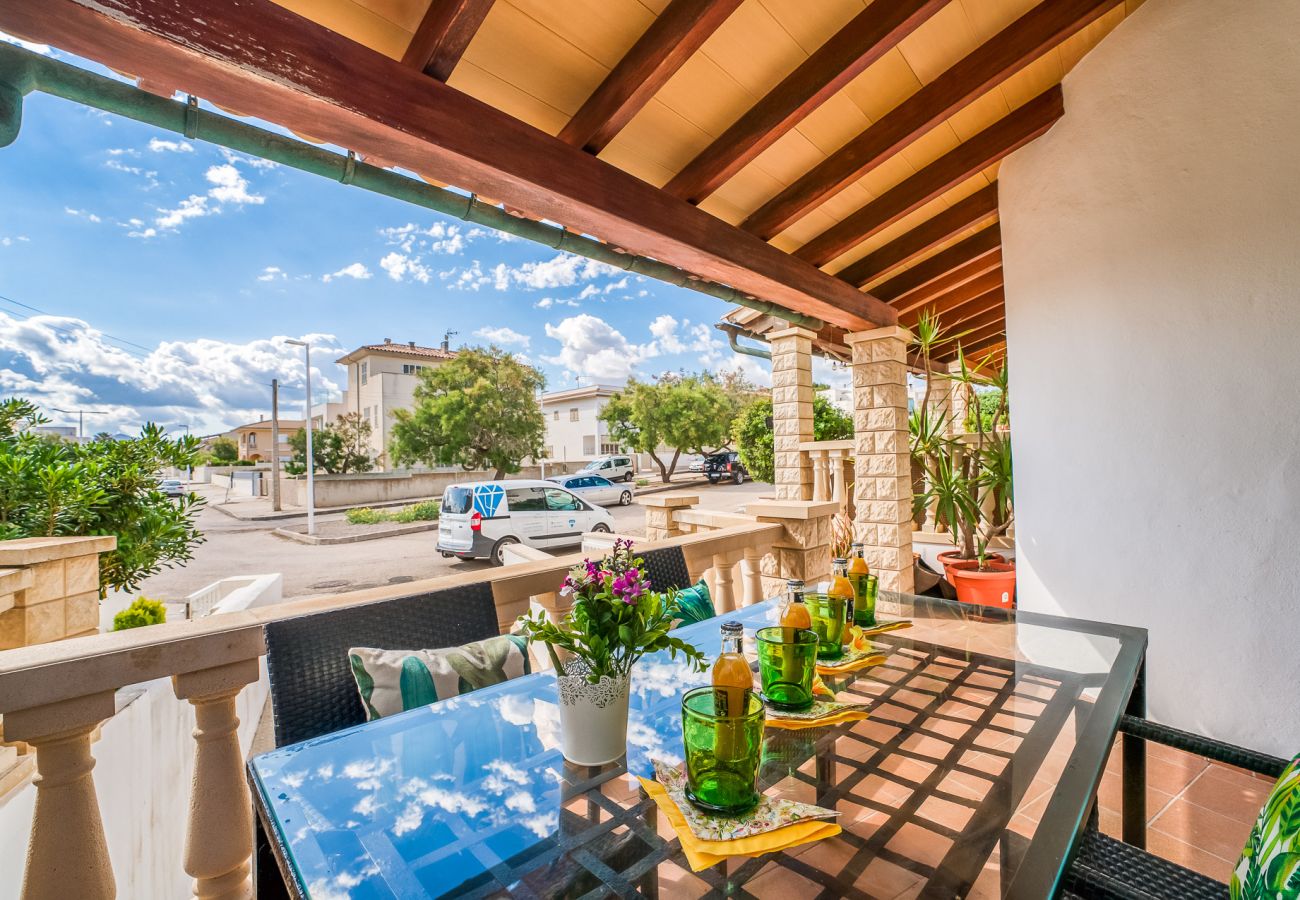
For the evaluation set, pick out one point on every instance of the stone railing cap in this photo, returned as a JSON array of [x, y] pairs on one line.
[[827, 445], [875, 334], [794, 331], [33, 550], [670, 500], [15, 580], [791, 509]]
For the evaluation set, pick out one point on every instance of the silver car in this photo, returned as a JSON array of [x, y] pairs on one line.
[[595, 489], [171, 487]]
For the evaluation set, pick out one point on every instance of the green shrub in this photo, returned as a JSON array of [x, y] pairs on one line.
[[364, 516], [643, 482], [425, 511], [141, 612]]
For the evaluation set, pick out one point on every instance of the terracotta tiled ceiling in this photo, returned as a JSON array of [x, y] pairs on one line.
[[861, 137]]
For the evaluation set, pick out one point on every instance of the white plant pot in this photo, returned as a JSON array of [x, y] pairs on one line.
[[593, 718]]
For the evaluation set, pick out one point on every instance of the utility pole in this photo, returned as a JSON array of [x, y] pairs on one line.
[[275, 444], [311, 459]]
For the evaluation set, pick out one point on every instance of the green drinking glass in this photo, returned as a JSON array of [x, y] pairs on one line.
[[828, 621], [722, 753], [787, 662], [864, 604]]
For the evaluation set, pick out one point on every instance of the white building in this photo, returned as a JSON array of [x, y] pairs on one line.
[[381, 380], [573, 431]]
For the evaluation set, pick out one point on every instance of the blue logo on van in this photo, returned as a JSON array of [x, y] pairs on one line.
[[487, 499]]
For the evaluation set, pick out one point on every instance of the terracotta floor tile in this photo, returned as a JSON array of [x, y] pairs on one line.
[[984, 762], [775, 880], [905, 767], [917, 843], [1204, 828], [972, 787], [1231, 794], [927, 746], [1174, 850], [886, 881], [944, 812], [675, 881], [1110, 795], [882, 790], [945, 727]]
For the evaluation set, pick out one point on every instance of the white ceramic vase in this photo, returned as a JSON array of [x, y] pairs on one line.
[[593, 718]]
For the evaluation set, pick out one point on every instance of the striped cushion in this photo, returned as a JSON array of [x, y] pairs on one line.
[[392, 681]]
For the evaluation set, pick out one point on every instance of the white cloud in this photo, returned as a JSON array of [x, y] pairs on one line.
[[7, 241], [124, 151], [400, 266], [81, 213], [548, 302], [160, 146], [149, 176], [465, 278], [208, 384], [564, 270], [502, 336], [42, 49], [354, 270], [438, 238], [192, 207], [231, 186], [272, 273], [591, 346], [228, 187]]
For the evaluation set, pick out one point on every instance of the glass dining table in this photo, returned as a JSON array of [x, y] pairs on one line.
[[975, 772]]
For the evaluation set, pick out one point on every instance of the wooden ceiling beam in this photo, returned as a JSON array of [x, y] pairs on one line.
[[974, 333], [443, 34], [944, 303], [974, 210], [945, 270], [664, 47], [963, 162], [866, 38], [955, 319], [943, 288], [1045, 26], [259, 57]]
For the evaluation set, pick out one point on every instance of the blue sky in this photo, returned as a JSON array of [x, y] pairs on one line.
[[168, 273]]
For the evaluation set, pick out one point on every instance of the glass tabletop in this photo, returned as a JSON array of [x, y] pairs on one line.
[[972, 774]]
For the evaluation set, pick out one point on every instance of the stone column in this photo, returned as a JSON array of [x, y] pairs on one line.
[[219, 840], [659, 510], [67, 854], [792, 411], [883, 478], [804, 549], [55, 592], [958, 401]]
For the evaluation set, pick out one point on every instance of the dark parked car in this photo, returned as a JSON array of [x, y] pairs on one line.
[[725, 466]]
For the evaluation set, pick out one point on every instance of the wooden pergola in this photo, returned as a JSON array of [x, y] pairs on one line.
[[837, 158]]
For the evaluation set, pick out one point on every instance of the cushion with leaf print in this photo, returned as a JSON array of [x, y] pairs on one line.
[[392, 681], [694, 605], [1269, 868]]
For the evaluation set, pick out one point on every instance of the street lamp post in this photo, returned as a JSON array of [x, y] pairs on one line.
[[311, 460], [81, 417]]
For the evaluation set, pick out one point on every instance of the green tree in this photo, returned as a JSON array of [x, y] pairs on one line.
[[680, 413], [53, 487], [756, 444], [342, 446], [477, 411], [140, 613], [223, 450]]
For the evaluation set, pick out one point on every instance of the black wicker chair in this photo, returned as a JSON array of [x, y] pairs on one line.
[[312, 689], [1104, 868], [666, 568]]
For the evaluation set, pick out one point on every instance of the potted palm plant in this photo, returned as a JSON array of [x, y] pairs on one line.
[[969, 487], [616, 619]]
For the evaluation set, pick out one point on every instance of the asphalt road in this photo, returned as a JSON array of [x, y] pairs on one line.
[[233, 547]]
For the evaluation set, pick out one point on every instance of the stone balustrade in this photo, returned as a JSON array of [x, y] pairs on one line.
[[53, 696], [832, 467]]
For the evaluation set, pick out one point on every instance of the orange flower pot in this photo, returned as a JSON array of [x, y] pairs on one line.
[[994, 585], [948, 557]]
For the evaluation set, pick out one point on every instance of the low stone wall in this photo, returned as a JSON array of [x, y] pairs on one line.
[[381, 487]]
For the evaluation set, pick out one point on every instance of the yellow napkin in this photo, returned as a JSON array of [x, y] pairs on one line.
[[848, 715], [841, 667], [880, 627], [702, 854]]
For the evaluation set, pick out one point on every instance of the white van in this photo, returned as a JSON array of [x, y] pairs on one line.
[[478, 519], [615, 468]]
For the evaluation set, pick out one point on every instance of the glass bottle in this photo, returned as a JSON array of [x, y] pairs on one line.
[[864, 600], [733, 680], [842, 587], [795, 612]]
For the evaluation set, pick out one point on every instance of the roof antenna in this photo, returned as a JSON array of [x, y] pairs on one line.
[[446, 340]]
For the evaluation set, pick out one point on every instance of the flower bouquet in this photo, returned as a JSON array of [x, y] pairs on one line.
[[617, 617]]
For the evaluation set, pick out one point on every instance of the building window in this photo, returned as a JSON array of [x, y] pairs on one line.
[[555, 417], [366, 414], [411, 369], [573, 414], [365, 372], [252, 439], [284, 438]]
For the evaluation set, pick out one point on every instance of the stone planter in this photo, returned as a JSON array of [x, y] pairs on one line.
[[593, 717]]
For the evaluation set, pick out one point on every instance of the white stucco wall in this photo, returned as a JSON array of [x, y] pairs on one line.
[[1152, 256]]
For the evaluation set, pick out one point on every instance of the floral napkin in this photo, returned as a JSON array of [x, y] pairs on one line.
[[708, 839], [822, 712], [881, 626], [859, 654]]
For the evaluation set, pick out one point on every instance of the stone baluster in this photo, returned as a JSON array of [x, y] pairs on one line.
[[723, 600], [67, 853], [752, 574], [821, 463], [838, 493], [219, 840]]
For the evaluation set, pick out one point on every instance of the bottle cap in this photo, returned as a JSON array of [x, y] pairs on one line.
[[733, 629], [793, 583], [839, 561], [858, 545]]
